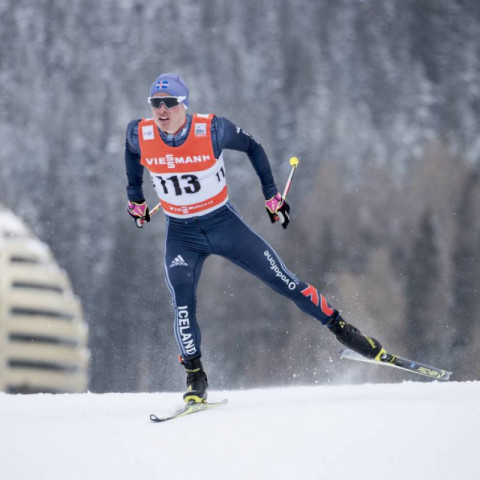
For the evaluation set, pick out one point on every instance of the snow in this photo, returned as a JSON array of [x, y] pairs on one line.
[[392, 431]]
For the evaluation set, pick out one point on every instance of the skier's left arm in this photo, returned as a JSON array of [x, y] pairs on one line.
[[227, 135]]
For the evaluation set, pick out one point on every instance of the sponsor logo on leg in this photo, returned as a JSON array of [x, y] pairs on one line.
[[278, 272], [178, 261], [184, 327], [317, 298]]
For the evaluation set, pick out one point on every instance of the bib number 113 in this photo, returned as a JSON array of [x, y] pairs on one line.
[[182, 184]]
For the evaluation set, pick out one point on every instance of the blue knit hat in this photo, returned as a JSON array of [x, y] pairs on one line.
[[172, 84]]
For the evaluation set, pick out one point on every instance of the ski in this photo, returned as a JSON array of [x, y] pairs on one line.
[[188, 409], [405, 364]]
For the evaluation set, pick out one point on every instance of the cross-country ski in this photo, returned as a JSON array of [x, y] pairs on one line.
[[188, 409], [395, 361]]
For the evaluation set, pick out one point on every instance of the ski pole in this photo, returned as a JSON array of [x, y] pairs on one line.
[[155, 209], [294, 163]]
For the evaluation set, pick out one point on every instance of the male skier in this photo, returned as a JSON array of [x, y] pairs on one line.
[[184, 155]]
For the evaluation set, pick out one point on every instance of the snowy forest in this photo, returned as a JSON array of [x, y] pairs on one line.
[[380, 100]]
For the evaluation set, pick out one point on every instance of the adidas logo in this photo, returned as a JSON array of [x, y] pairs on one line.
[[178, 261]]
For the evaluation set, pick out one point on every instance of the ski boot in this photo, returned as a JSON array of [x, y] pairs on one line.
[[196, 381], [352, 338]]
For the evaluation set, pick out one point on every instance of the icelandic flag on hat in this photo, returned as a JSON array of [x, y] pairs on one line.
[[161, 85]]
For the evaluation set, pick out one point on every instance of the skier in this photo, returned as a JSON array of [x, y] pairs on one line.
[[184, 155]]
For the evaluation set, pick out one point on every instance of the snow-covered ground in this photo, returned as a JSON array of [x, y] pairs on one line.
[[395, 431]]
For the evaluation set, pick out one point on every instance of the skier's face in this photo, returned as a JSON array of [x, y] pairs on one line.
[[169, 120]]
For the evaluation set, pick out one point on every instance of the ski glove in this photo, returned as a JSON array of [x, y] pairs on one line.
[[139, 212], [278, 210]]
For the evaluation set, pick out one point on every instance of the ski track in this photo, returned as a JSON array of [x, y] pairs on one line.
[[411, 430]]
